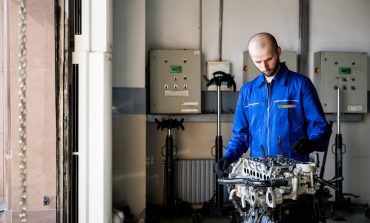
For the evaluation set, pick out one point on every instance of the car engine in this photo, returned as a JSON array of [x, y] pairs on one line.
[[275, 189]]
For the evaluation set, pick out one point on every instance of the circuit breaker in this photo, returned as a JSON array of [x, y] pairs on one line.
[[344, 70], [175, 81], [250, 71]]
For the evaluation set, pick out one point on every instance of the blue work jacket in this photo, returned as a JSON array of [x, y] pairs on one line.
[[277, 116]]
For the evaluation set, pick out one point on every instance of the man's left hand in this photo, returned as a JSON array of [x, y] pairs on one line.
[[304, 146]]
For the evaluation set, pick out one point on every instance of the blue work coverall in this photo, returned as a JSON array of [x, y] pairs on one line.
[[277, 115]]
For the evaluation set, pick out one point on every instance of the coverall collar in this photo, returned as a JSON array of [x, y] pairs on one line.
[[280, 77]]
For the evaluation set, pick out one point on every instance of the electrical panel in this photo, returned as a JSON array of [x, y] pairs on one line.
[[213, 66], [344, 70], [175, 81], [250, 71]]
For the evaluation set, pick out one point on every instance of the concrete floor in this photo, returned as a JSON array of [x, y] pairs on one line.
[[350, 217], [353, 218]]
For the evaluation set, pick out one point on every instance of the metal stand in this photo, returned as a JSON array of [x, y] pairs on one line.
[[172, 207], [342, 200], [218, 78], [169, 200], [338, 158], [215, 206]]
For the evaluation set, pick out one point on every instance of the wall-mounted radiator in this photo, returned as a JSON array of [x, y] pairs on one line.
[[194, 180]]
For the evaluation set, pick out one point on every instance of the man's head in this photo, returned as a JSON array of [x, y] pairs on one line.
[[265, 53]]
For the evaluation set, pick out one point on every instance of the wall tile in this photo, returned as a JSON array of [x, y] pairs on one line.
[[2, 217], [129, 188], [13, 34], [8, 216], [41, 104], [41, 174], [1, 166], [14, 100], [129, 149], [2, 99], [1, 36], [36, 216], [364, 173], [40, 34], [195, 142], [129, 140]]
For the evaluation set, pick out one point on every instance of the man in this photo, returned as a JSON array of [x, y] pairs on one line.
[[279, 111]]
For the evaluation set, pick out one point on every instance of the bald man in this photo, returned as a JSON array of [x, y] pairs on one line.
[[279, 110]]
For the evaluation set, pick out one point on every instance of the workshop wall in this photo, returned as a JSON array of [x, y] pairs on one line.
[[344, 26], [239, 23], [2, 107], [41, 125], [128, 106], [177, 24]]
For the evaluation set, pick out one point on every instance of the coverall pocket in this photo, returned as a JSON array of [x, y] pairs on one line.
[[290, 113]]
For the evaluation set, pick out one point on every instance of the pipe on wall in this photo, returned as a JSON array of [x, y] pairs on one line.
[[303, 36], [221, 12]]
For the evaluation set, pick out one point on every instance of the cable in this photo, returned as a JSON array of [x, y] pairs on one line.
[[22, 109]]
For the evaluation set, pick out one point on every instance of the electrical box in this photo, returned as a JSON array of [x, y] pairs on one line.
[[175, 81], [250, 71], [213, 66], [344, 70]]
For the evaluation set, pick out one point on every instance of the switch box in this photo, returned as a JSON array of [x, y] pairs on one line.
[[250, 71], [213, 66], [344, 70], [175, 81]]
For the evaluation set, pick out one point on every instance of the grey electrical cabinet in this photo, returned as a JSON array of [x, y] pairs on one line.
[[175, 81], [250, 71], [346, 71]]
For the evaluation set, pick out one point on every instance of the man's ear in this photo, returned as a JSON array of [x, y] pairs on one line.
[[278, 51]]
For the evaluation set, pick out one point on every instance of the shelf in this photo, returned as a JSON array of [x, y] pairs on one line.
[[193, 118], [230, 117]]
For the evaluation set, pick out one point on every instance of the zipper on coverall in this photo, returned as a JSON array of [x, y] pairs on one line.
[[268, 116]]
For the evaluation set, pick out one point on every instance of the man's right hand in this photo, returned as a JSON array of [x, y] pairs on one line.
[[221, 166]]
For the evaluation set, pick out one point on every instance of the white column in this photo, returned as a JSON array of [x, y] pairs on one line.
[[100, 138], [94, 56]]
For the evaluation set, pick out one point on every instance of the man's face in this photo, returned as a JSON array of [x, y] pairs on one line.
[[264, 57]]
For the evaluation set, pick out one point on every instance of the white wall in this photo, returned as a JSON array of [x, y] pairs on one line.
[[336, 25], [129, 43], [243, 18], [129, 130], [174, 24]]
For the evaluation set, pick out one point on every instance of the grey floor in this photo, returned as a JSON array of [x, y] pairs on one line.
[[358, 217]]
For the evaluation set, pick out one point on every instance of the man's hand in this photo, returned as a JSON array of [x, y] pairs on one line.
[[221, 166], [304, 146]]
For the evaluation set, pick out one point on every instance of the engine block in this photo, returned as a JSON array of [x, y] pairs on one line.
[[264, 183]]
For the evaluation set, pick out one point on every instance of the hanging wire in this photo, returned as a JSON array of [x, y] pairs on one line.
[[22, 109]]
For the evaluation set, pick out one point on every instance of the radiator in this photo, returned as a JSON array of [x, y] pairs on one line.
[[194, 180]]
